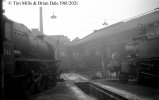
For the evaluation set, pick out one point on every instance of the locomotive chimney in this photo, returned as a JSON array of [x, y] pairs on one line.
[[41, 20]]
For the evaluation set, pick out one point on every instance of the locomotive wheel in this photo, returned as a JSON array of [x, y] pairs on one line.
[[54, 83], [40, 86], [140, 78], [32, 89], [123, 77]]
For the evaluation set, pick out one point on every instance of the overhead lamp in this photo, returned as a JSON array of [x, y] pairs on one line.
[[53, 16], [105, 23]]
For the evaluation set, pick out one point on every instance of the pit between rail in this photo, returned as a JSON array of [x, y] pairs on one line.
[[95, 92]]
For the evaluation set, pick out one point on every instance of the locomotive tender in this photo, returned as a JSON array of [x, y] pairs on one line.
[[130, 48], [28, 60]]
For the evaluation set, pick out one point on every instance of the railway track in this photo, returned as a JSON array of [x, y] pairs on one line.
[[97, 91]]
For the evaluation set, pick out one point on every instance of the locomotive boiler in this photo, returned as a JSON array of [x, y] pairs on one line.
[[28, 60]]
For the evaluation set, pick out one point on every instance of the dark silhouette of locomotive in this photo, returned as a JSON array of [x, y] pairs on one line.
[[130, 48], [28, 62]]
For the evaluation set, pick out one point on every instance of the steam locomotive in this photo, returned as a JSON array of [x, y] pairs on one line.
[[130, 48], [29, 66]]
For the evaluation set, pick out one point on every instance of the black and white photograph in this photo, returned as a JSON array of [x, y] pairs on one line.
[[79, 49]]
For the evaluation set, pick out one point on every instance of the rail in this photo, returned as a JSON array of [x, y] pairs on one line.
[[97, 89]]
